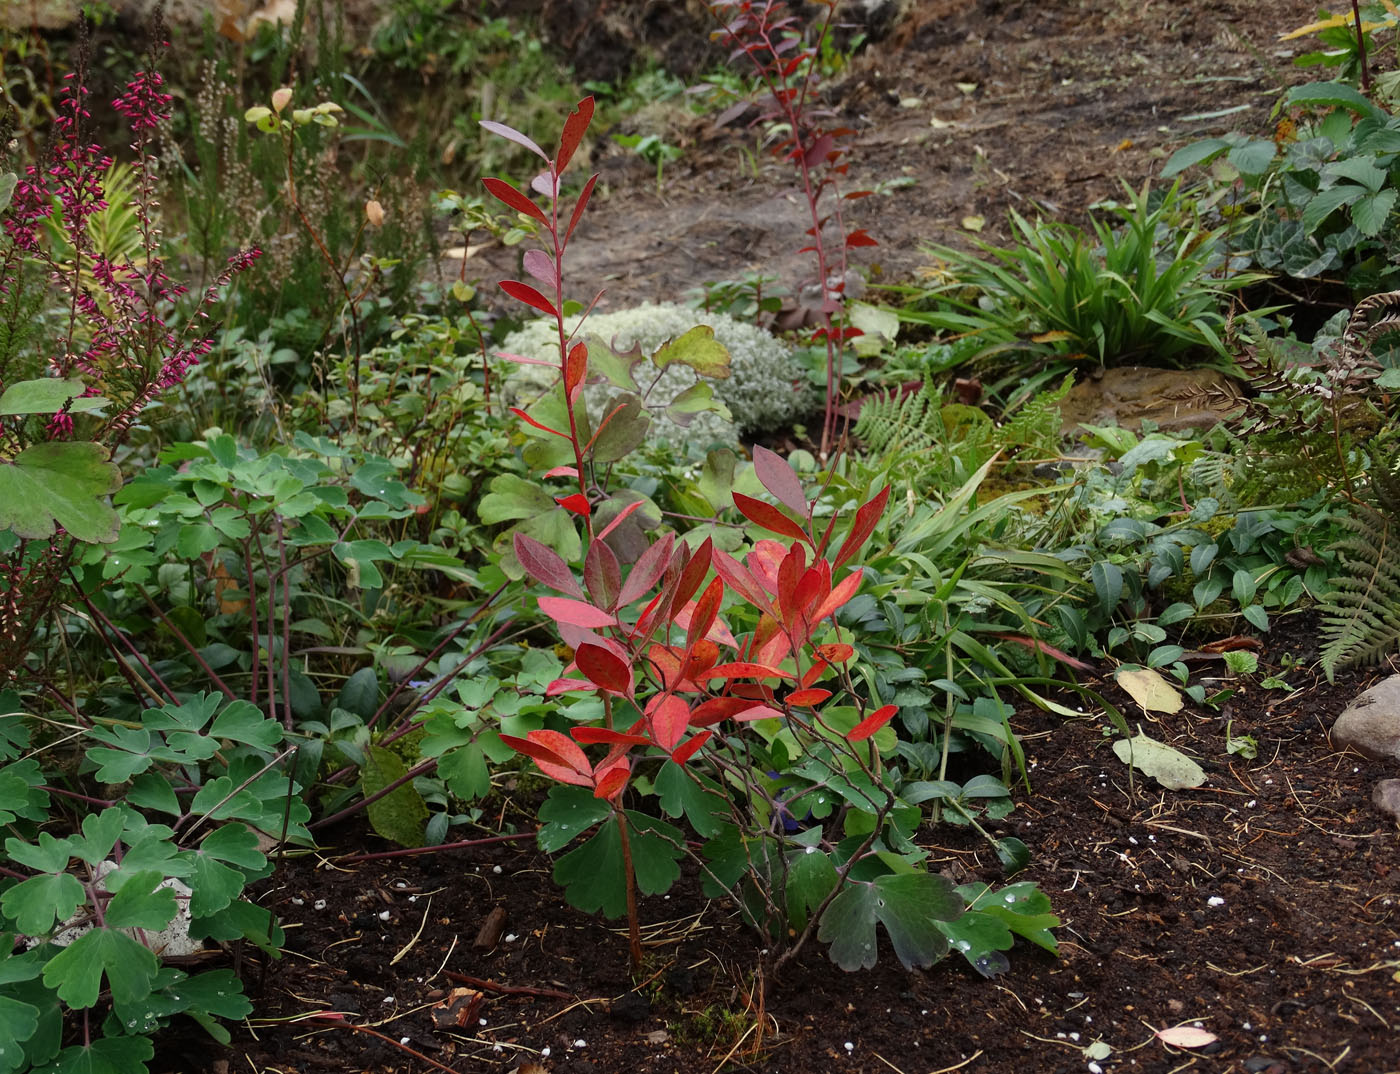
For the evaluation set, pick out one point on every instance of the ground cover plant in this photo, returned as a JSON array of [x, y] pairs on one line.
[[391, 687]]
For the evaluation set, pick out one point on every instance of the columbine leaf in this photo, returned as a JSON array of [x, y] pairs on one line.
[[142, 904], [215, 881], [566, 814], [76, 971], [811, 876], [59, 483], [18, 1022], [700, 799], [110, 1055], [907, 904], [592, 876], [243, 721], [35, 904]]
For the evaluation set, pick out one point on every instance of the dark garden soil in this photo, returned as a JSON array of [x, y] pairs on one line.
[[1264, 906]]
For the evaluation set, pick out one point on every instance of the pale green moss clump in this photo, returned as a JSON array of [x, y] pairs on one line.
[[764, 391]]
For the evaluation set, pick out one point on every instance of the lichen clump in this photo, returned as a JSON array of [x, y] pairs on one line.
[[765, 390]]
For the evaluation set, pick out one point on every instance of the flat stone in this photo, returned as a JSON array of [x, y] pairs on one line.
[[1386, 798], [1174, 399], [1370, 725]]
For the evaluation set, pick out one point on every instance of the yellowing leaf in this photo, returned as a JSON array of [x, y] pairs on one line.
[[1186, 1037], [974, 223], [1166, 764], [1152, 692]]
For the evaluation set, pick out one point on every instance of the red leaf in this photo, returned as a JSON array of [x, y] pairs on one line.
[[838, 597], [741, 581], [872, 723], [545, 565], [648, 568], [515, 136], [717, 709], [807, 698], [765, 561], [776, 475], [562, 471], [503, 191], [668, 716], [768, 516], [576, 368], [558, 756], [1049, 650], [745, 669], [706, 610], [818, 150], [591, 736], [837, 652], [602, 575], [790, 571], [524, 359], [694, 573], [814, 586], [523, 292], [564, 686], [621, 518], [718, 632], [854, 194], [604, 670], [867, 518], [684, 753], [574, 128], [577, 503], [613, 780], [578, 612], [579, 206], [531, 421], [859, 237], [539, 265]]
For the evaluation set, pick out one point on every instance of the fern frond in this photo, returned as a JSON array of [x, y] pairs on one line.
[[1361, 615]]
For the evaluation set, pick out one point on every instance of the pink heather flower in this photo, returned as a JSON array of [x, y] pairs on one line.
[[60, 426], [143, 104]]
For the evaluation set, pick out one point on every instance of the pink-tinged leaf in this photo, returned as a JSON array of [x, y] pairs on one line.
[[690, 748], [648, 568], [574, 128], [620, 519], [668, 716], [505, 192], [839, 597], [743, 583], [717, 709], [706, 610], [577, 503], [666, 666], [525, 359], [1049, 650], [557, 756], [813, 587], [837, 652], [575, 370], [523, 292], [769, 517], [859, 238], [541, 266], [775, 473], [567, 686], [535, 424], [592, 736], [562, 471], [515, 136], [790, 571], [578, 612], [579, 206], [545, 184], [818, 150], [759, 712], [692, 575], [602, 576], [856, 194], [807, 698], [867, 518], [718, 632], [612, 779], [872, 723], [604, 669], [746, 669], [545, 565], [765, 562], [1186, 1037]]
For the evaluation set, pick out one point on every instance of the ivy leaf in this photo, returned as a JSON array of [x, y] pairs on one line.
[[907, 904], [110, 1055], [60, 482], [75, 973], [401, 814]]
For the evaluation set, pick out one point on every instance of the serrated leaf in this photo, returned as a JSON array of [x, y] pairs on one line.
[[1166, 764], [60, 483], [1370, 213], [696, 349]]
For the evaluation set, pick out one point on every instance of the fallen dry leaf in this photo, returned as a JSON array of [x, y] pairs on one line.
[[1186, 1037]]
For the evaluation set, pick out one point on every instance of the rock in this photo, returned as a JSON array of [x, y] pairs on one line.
[[1174, 399], [1370, 725], [1386, 798]]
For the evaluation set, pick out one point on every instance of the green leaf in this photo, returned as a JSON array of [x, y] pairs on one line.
[[909, 905], [624, 432], [360, 694], [49, 856], [696, 349], [512, 497], [18, 1022], [465, 771], [8, 182], [243, 721], [100, 834], [1253, 157], [400, 815], [1202, 152], [1335, 94], [811, 876], [35, 904], [1025, 910], [110, 1055], [1108, 584], [566, 814], [592, 875], [142, 904], [1326, 202], [59, 482], [1370, 213], [697, 797], [213, 879], [242, 920], [76, 971], [47, 396]]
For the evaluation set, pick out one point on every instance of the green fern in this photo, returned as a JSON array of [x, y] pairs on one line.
[[1361, 616]]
